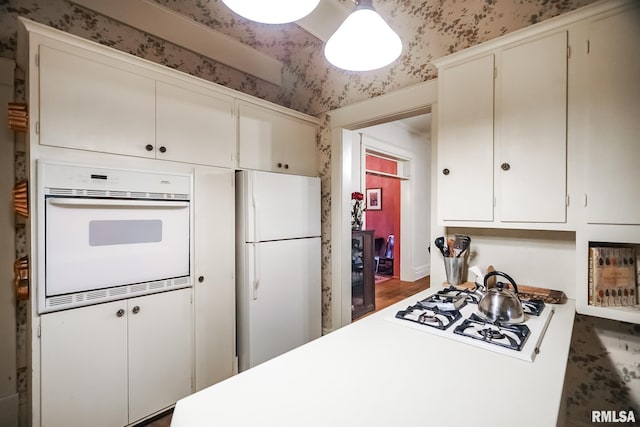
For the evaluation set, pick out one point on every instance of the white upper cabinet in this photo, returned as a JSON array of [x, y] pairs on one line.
[[88, 103], [91, 97], [465, 141], [274, 141], [194, 125], [531, 118], [502, 136], [613, 118], [92, 102]]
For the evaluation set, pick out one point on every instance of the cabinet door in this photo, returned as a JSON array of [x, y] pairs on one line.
[[465, 141], [90, 105], [214, 305], [272, 141], [532, 106], [194, 126], [84, 366], [363, 271], [160, 352], [613, 121], [299, 147]]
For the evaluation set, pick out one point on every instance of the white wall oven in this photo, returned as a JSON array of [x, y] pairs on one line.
[[109, 234]]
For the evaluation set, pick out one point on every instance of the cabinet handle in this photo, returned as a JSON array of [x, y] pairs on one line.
[[505, 166], [149, 147], [279, 165], [120, 313], [163, 149], [136, 309], [445, 171], [286, 166], [201, 279]]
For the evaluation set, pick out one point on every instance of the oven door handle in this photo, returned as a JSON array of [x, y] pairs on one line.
[[64, 202]]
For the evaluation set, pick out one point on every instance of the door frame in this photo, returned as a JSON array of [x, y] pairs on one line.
[[371, 144], [406, 102]]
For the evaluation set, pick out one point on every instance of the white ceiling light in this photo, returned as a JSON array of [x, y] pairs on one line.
[[272, 11], [363, 42]]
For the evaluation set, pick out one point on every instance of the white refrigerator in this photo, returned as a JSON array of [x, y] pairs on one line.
[[278, 264]]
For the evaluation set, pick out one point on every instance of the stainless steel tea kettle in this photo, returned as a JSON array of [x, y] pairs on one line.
[[500, 304]]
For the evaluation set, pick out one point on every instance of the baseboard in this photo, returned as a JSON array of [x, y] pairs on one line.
[[422, 271], [9, 411]]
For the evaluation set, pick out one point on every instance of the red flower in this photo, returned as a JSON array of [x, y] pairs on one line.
[[356, 195]]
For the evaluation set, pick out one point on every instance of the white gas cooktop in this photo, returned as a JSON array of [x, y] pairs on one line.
[[489, 336]]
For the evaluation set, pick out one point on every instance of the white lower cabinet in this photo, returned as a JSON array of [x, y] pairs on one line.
[[115, 363]]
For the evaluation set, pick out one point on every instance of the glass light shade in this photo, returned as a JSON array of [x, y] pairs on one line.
[[272, 11], [363, 42]]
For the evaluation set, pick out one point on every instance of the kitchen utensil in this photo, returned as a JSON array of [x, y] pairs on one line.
[[450, 244], [461, 244], [492, 279], [500, 304], [439, 242]]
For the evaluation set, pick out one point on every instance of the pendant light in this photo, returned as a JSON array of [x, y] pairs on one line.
[[363, 42], [272, 11]]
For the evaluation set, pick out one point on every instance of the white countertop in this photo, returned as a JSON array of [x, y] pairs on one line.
[[377, 373]]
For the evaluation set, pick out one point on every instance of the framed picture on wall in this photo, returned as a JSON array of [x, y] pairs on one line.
[[374, 199]]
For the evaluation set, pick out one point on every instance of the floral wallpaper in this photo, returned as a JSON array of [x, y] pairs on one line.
[[603, 367]]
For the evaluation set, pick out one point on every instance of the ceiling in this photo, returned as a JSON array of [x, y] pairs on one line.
[[417, 124]]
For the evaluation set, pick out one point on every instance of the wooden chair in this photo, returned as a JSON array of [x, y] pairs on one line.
[[384, 263]]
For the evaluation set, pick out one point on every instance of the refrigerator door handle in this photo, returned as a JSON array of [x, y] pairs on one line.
[[256, 212], [256, 270]]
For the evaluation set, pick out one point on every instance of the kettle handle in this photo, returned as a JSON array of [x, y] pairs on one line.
[[500, 273]]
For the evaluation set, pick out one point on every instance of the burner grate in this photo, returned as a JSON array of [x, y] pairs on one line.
[[472, 296], [444, 302], [533, 307], [504, 335], [434, 317]]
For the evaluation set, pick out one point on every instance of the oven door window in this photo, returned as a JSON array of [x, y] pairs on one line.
[[102, 243]]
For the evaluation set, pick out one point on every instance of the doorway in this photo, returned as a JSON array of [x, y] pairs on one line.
[[346, 147], [383, 197]]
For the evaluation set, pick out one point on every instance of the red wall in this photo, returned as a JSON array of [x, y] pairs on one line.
[[387, 220]]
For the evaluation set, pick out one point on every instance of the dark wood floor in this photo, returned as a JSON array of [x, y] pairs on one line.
[[393, 290], [387, 293], [162, 421]]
